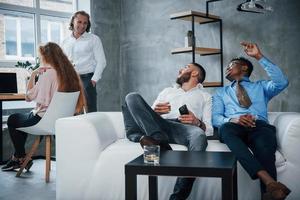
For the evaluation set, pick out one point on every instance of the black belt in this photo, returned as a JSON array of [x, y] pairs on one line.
[[88, 75]]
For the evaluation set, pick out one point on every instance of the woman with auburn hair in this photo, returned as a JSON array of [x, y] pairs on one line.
[[55, 74]]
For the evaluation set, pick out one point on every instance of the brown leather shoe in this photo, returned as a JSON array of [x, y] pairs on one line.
[[147, 140], [276, 191]]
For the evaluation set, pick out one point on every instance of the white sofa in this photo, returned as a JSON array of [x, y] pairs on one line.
[[91, 151]]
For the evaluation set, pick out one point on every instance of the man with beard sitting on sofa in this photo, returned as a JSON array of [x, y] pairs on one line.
[[163, 124]]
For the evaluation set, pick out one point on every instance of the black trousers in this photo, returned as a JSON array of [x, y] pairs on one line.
[[90, 91], [261, 140], [18, 138]]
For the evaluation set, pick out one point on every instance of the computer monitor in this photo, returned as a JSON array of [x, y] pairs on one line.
[[8, 83]]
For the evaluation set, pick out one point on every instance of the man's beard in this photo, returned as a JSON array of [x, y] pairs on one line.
[[183, 78]]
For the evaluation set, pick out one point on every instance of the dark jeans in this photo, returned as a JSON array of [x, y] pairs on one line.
[[140, 119], [18, 138], [90, 92], [262, 142]]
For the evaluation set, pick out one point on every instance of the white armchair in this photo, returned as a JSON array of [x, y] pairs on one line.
[[91, 151]]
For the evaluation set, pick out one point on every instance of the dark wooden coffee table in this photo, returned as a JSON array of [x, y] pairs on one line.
[[184, 164]]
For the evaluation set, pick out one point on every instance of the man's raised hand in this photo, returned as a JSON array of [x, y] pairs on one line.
[[251, 49]]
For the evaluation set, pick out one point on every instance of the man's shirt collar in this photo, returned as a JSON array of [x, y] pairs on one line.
[[245, 78], [82, 36], [198, 86]]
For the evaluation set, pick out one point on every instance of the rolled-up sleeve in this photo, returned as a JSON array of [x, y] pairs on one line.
[[32, 93], [44, 89]]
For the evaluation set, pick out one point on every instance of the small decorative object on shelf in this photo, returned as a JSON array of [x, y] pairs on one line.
[[189, 39]]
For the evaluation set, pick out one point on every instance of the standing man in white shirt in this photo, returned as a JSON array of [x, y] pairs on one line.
[[163, 124], [86, 52]]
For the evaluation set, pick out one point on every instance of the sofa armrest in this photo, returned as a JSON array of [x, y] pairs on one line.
[[288, 137], [79, 142], [87, 132]]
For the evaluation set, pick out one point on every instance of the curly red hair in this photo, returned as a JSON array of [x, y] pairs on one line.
[[68, 79]]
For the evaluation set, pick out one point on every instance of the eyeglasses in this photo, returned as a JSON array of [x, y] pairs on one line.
[[234, 63]]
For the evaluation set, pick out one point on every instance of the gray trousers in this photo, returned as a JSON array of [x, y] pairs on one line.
[[140, 119], [90, 92]]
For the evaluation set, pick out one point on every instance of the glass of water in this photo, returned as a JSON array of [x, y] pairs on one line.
[[151, 154]]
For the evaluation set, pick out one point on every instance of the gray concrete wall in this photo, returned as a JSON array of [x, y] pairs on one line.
[[105, 15], [146, 36]]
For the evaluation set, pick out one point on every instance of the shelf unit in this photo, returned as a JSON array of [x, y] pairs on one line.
[[201, 18]]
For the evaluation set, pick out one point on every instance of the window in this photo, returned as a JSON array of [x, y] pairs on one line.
[[54, 29], [57, 5], [24, 26], [19, 36], [27, 37], [27, 23], [10, 36], [27, 3]]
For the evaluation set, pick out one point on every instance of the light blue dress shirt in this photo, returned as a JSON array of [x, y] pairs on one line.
[[225, 102]]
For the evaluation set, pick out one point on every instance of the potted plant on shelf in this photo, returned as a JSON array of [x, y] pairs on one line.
[[28, 65]]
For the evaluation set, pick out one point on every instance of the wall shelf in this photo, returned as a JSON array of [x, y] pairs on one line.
[[203, 51], [201, 18]]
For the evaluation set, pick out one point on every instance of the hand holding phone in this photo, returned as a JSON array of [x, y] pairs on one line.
[[183, 110], [188, 117]]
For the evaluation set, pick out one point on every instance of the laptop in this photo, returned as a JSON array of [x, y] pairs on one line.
[[8, 83]]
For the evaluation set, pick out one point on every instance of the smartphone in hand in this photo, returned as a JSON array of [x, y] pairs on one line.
[[183, 110]]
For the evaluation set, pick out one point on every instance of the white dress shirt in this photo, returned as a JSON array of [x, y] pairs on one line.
[[86, 53], [196, 100]]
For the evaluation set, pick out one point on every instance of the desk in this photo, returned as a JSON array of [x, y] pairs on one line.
[[186, 164], [6, 97]]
